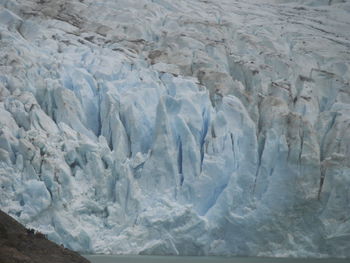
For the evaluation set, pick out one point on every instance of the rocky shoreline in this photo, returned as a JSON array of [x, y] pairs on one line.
[[18, 244]]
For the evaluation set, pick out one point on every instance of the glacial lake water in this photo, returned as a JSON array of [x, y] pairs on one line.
[[172, 259]]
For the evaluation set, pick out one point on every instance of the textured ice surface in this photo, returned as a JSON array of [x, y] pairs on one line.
[[178, 127]]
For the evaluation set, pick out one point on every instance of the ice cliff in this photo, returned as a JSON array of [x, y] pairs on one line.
[[185, 127]]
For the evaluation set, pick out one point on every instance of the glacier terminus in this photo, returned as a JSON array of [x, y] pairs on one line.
[[188, 127]]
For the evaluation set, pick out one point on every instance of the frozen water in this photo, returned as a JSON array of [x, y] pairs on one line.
[[182, 128]]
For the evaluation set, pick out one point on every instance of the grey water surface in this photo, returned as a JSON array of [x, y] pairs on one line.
[[175, 259]]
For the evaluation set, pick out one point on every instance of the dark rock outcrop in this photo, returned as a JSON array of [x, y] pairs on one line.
[[18, 244]]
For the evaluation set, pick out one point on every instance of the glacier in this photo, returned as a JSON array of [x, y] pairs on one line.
[[178, 127]]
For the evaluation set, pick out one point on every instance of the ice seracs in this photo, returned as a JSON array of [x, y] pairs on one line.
[[187, 128]]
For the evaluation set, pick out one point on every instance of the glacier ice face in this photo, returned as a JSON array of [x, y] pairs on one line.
[[187, 127]]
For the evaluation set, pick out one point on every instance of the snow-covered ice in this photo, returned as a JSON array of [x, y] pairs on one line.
[[178, 127]]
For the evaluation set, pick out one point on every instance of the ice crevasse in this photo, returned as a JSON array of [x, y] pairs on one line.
[[178, 128]]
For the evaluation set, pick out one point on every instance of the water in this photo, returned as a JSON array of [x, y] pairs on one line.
[[170, 259]]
